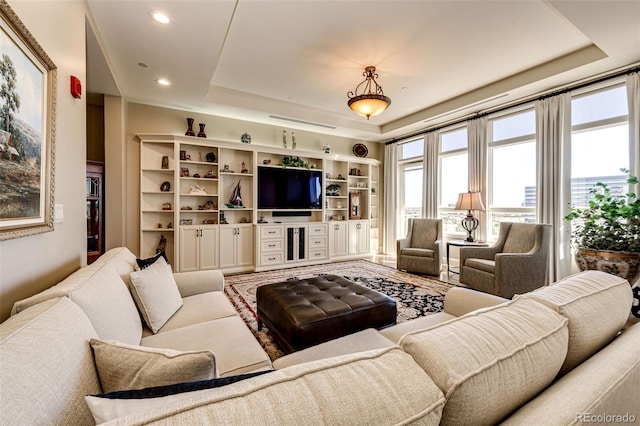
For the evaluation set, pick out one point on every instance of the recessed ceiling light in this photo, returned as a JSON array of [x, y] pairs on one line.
[[163, 82], [160, 17]]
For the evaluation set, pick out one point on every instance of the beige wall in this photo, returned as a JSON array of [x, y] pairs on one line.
[[31, 264], [149, 119]]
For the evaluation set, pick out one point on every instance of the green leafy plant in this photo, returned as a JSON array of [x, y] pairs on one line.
[[610, 222], [292, 161]]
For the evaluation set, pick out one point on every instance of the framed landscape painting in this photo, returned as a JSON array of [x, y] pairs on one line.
[[27, 131]]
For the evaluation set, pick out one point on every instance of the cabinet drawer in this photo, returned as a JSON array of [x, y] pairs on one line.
[[317, 242], [315, 254], [271, 232], [271, 245], [271, 259], [318, 229]]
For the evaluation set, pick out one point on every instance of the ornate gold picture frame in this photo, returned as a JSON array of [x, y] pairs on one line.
[[27, 131]]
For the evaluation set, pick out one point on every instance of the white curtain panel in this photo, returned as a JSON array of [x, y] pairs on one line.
[[633, 98], [390, 198], [553, 134], [477, 140], [430, 173]]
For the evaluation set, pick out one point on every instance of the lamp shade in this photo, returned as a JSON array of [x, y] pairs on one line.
[[369, 105], [469, 201]]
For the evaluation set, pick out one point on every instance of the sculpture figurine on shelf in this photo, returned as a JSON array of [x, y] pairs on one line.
[[162, 244], [197, 190], [190, 131], [284, 139], [293, 140], [244, 168], [201, 133], [235, 201]]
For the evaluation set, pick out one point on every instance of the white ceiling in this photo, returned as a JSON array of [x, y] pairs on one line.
[[255, 59]]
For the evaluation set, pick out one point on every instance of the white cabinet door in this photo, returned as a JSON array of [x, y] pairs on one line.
[[198, 248], [189, 248], [244, 245], [338, 239], [359, 237], [208, 247], [236, 246], [228, 246]]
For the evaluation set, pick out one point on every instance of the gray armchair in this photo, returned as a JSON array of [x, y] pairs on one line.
[[516, 264], [420, 251]]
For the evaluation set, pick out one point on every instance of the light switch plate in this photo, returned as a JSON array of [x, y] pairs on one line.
[[58, 213]]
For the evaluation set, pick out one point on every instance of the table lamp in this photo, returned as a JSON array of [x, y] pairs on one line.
[[470, 201]]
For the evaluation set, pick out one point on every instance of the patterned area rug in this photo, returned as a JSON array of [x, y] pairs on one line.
[[415, 295]]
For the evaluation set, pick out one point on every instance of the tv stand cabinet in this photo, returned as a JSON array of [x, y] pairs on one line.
[[186, 184]]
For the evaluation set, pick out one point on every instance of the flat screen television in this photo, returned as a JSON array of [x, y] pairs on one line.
[[290, 189]]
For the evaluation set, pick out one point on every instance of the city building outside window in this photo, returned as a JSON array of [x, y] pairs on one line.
[[599, 142], [512, 170]]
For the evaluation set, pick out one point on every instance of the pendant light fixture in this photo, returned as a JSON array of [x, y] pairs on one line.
[[371, 99]]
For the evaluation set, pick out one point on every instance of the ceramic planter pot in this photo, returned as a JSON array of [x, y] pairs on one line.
[[624, 264]]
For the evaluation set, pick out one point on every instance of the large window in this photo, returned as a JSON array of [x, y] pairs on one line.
[[454, 179], [599, 142], [512, 170], [410, 171]]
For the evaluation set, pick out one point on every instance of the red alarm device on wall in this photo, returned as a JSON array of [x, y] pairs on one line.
[[76, 87]]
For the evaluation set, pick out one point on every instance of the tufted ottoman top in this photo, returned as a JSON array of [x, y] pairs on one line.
[[304, 312]]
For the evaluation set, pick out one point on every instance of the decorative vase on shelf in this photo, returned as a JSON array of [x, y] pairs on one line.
[[190, 131], [201, 133]]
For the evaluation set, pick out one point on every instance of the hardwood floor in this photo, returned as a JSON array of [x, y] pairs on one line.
[[390, 261]]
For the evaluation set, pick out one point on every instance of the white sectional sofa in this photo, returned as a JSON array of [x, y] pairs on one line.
[[559, 355]]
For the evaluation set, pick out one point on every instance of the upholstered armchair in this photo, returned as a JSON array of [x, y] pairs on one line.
[[516, 264], [420, 251]]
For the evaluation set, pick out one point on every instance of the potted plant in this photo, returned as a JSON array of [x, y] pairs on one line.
[[607, 232]]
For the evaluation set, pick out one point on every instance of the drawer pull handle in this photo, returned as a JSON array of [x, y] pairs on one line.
[[272, 245], [272, 258]]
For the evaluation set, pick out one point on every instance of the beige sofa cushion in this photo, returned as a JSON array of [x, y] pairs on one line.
[[237, 351], [46, 365], [107, 302], [597, 305], [120, 258], [376, 387], [125, 367], [156, 293], [491, 361], [605, 384], [196, 309]]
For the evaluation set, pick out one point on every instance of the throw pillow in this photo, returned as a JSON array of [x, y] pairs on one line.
[[145, 263], [123, 367], [107, 302], [156, 294], [109, 406], [635, 306]]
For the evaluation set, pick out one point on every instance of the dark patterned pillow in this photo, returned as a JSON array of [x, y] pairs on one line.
[[145, 263], [109, 406], [167, 390], [635, 306]]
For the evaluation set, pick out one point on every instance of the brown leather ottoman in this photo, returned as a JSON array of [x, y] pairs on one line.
[[303, 313]]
